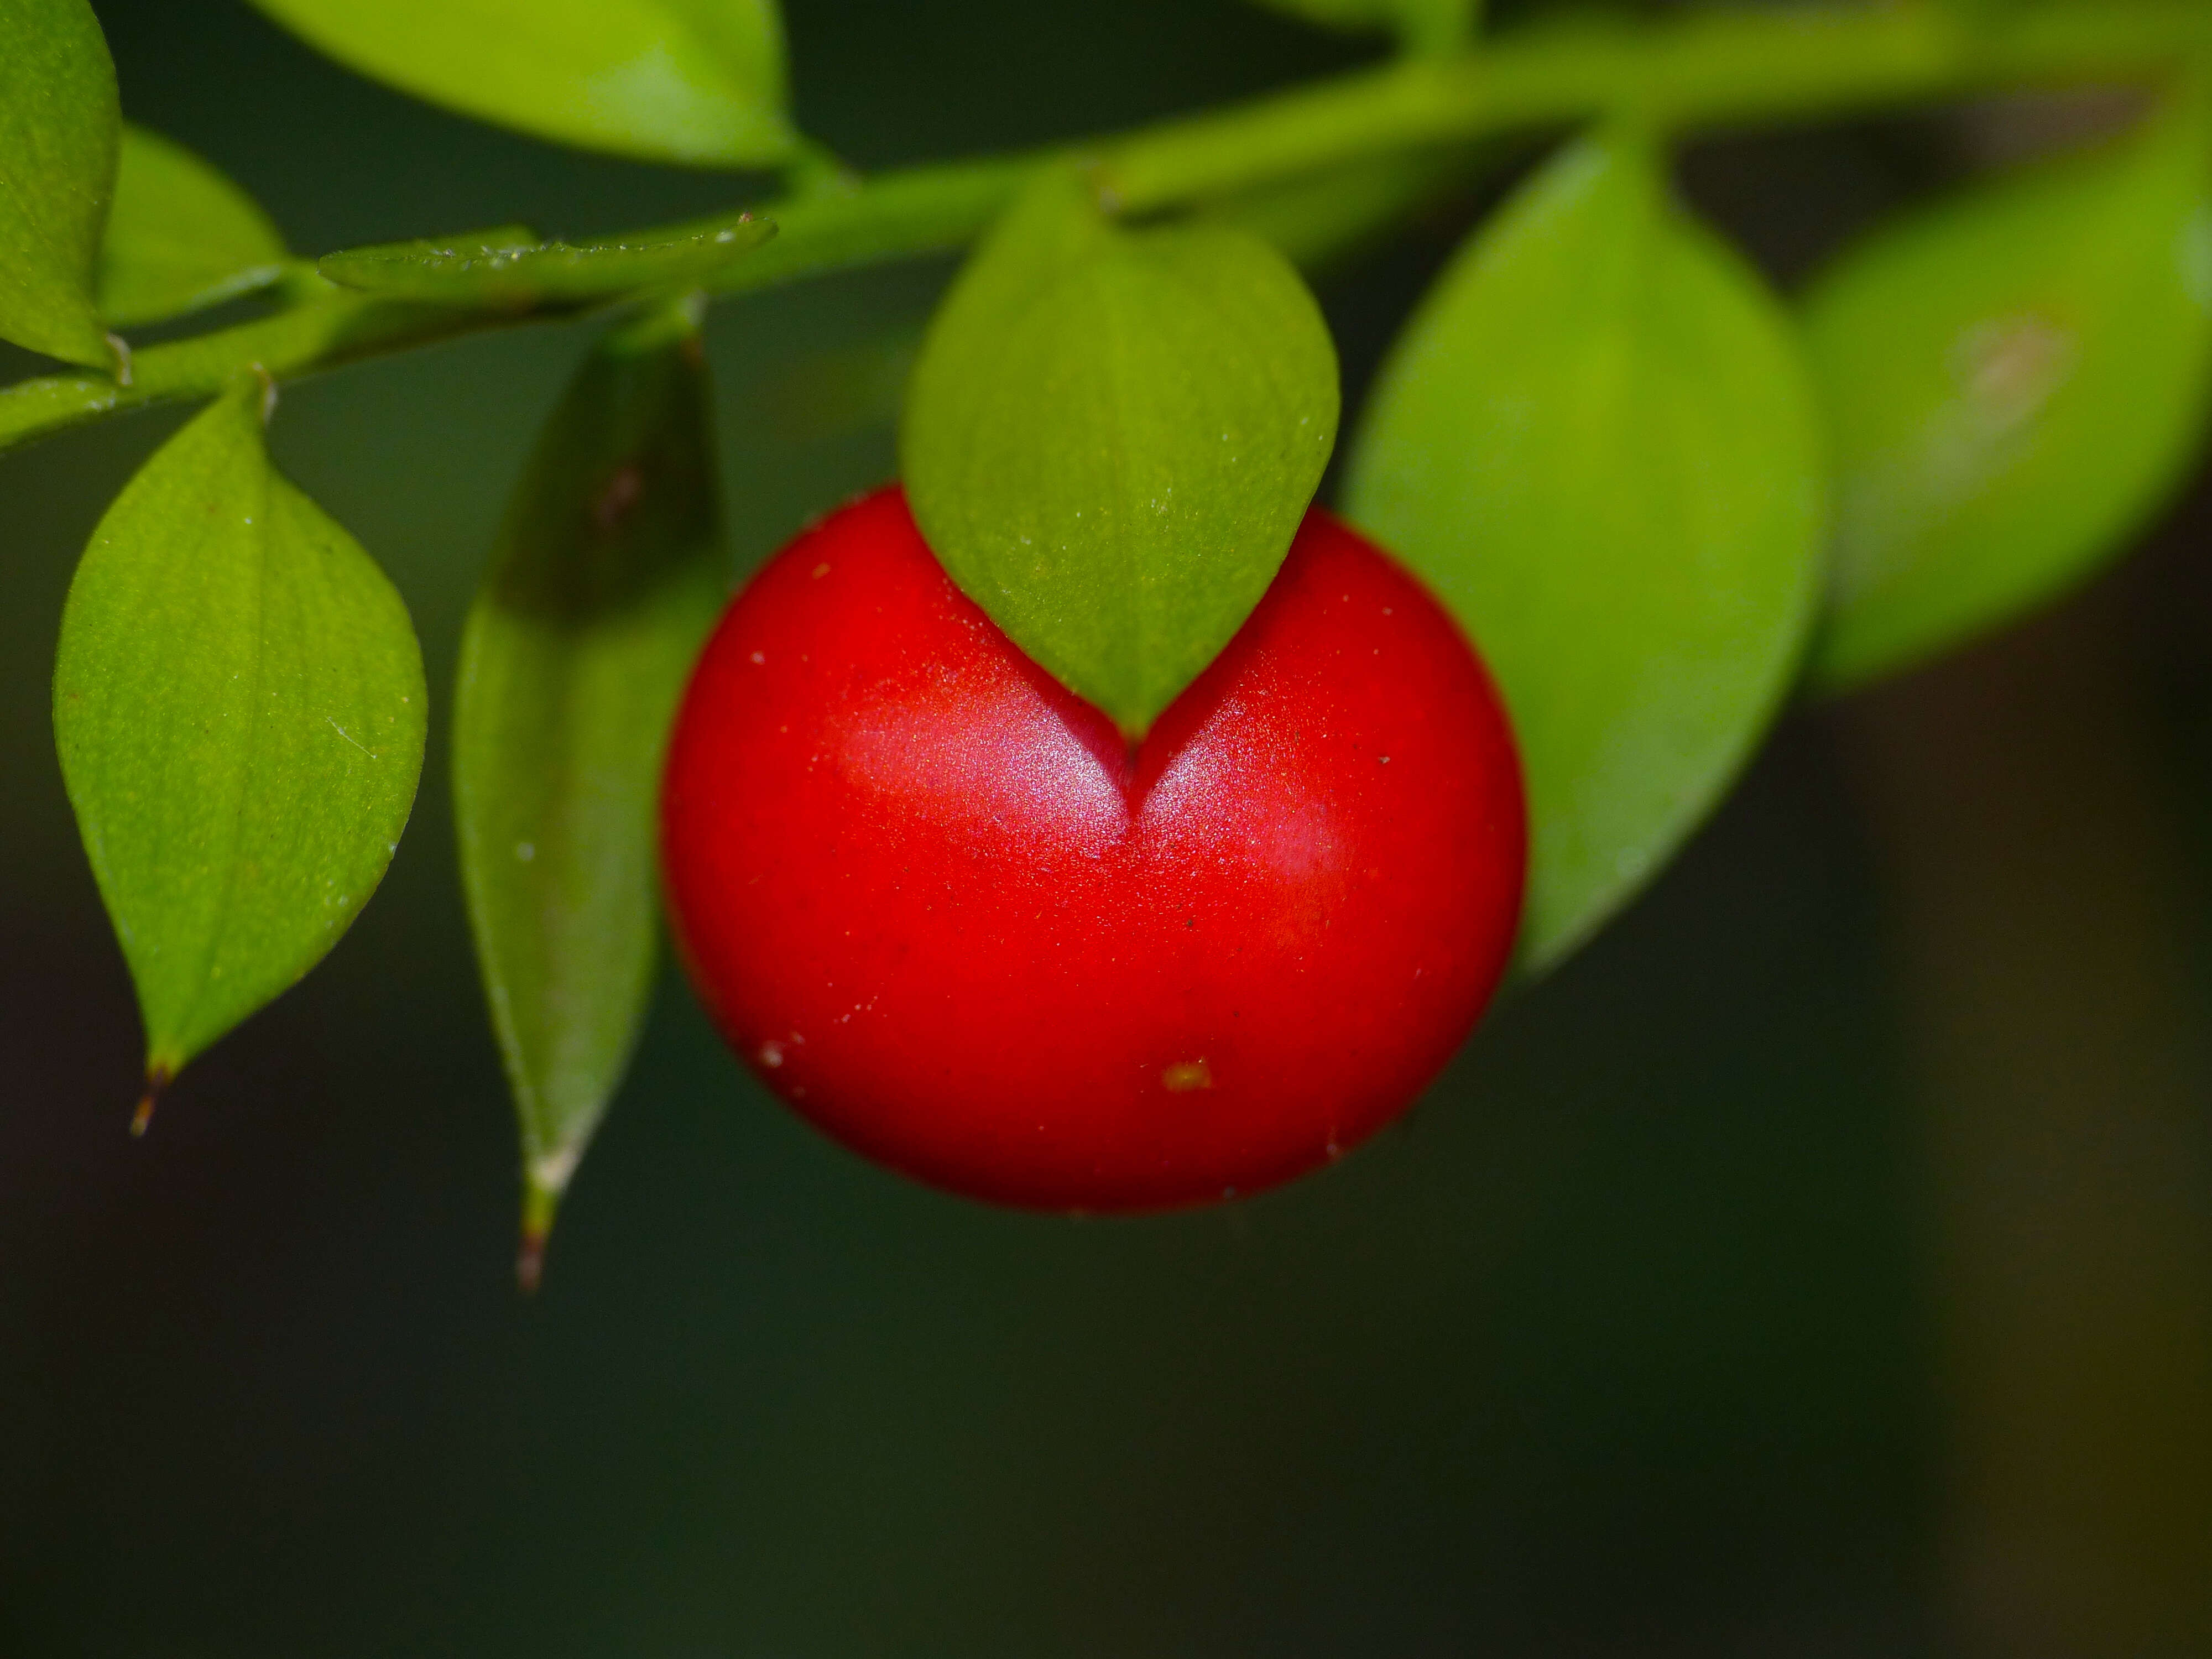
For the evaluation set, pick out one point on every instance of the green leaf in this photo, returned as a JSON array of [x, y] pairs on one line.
[[1110, 438], [59, 120], [509, 268], [181, 236], [2016, 379], [609, 573], [1596, 441], [238, 707], [696, 81], [1431, 27]]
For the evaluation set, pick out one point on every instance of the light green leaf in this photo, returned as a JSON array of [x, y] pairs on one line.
[[238, 707], [696, 81], [1110, 438], [2016, 379], [1433, 27], [59, 120], [510, 268], [181, 236], [1596, 441], [609, 573]]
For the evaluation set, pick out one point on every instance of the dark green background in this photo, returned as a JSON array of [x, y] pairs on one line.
[[1817, 1265]]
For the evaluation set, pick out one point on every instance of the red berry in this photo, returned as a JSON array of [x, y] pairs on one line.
[[935, 901]]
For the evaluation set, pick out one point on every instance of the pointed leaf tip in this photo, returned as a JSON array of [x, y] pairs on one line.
[[157, 1081], [542, 1187]]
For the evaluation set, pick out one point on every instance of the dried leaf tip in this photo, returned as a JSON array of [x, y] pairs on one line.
[[268, 392], [157, 1080], [539, 1199], [530, 1260]]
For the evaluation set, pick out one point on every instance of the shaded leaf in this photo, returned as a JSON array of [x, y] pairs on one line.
[[58, 122], [2015, 378], [697, 82], [180, 237], [1596, 441], [1110, 438], [239, 708], [510, 268], [609, 573]]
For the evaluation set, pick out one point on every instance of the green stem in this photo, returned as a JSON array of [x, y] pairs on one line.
[[1718, 69], [1711, 70]]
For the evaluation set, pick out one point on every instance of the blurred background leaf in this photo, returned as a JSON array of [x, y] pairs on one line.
[[696, 81], [2016, 379], [180, 237]]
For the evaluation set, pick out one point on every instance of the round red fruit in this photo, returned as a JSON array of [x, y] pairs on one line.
[[941, 907]]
